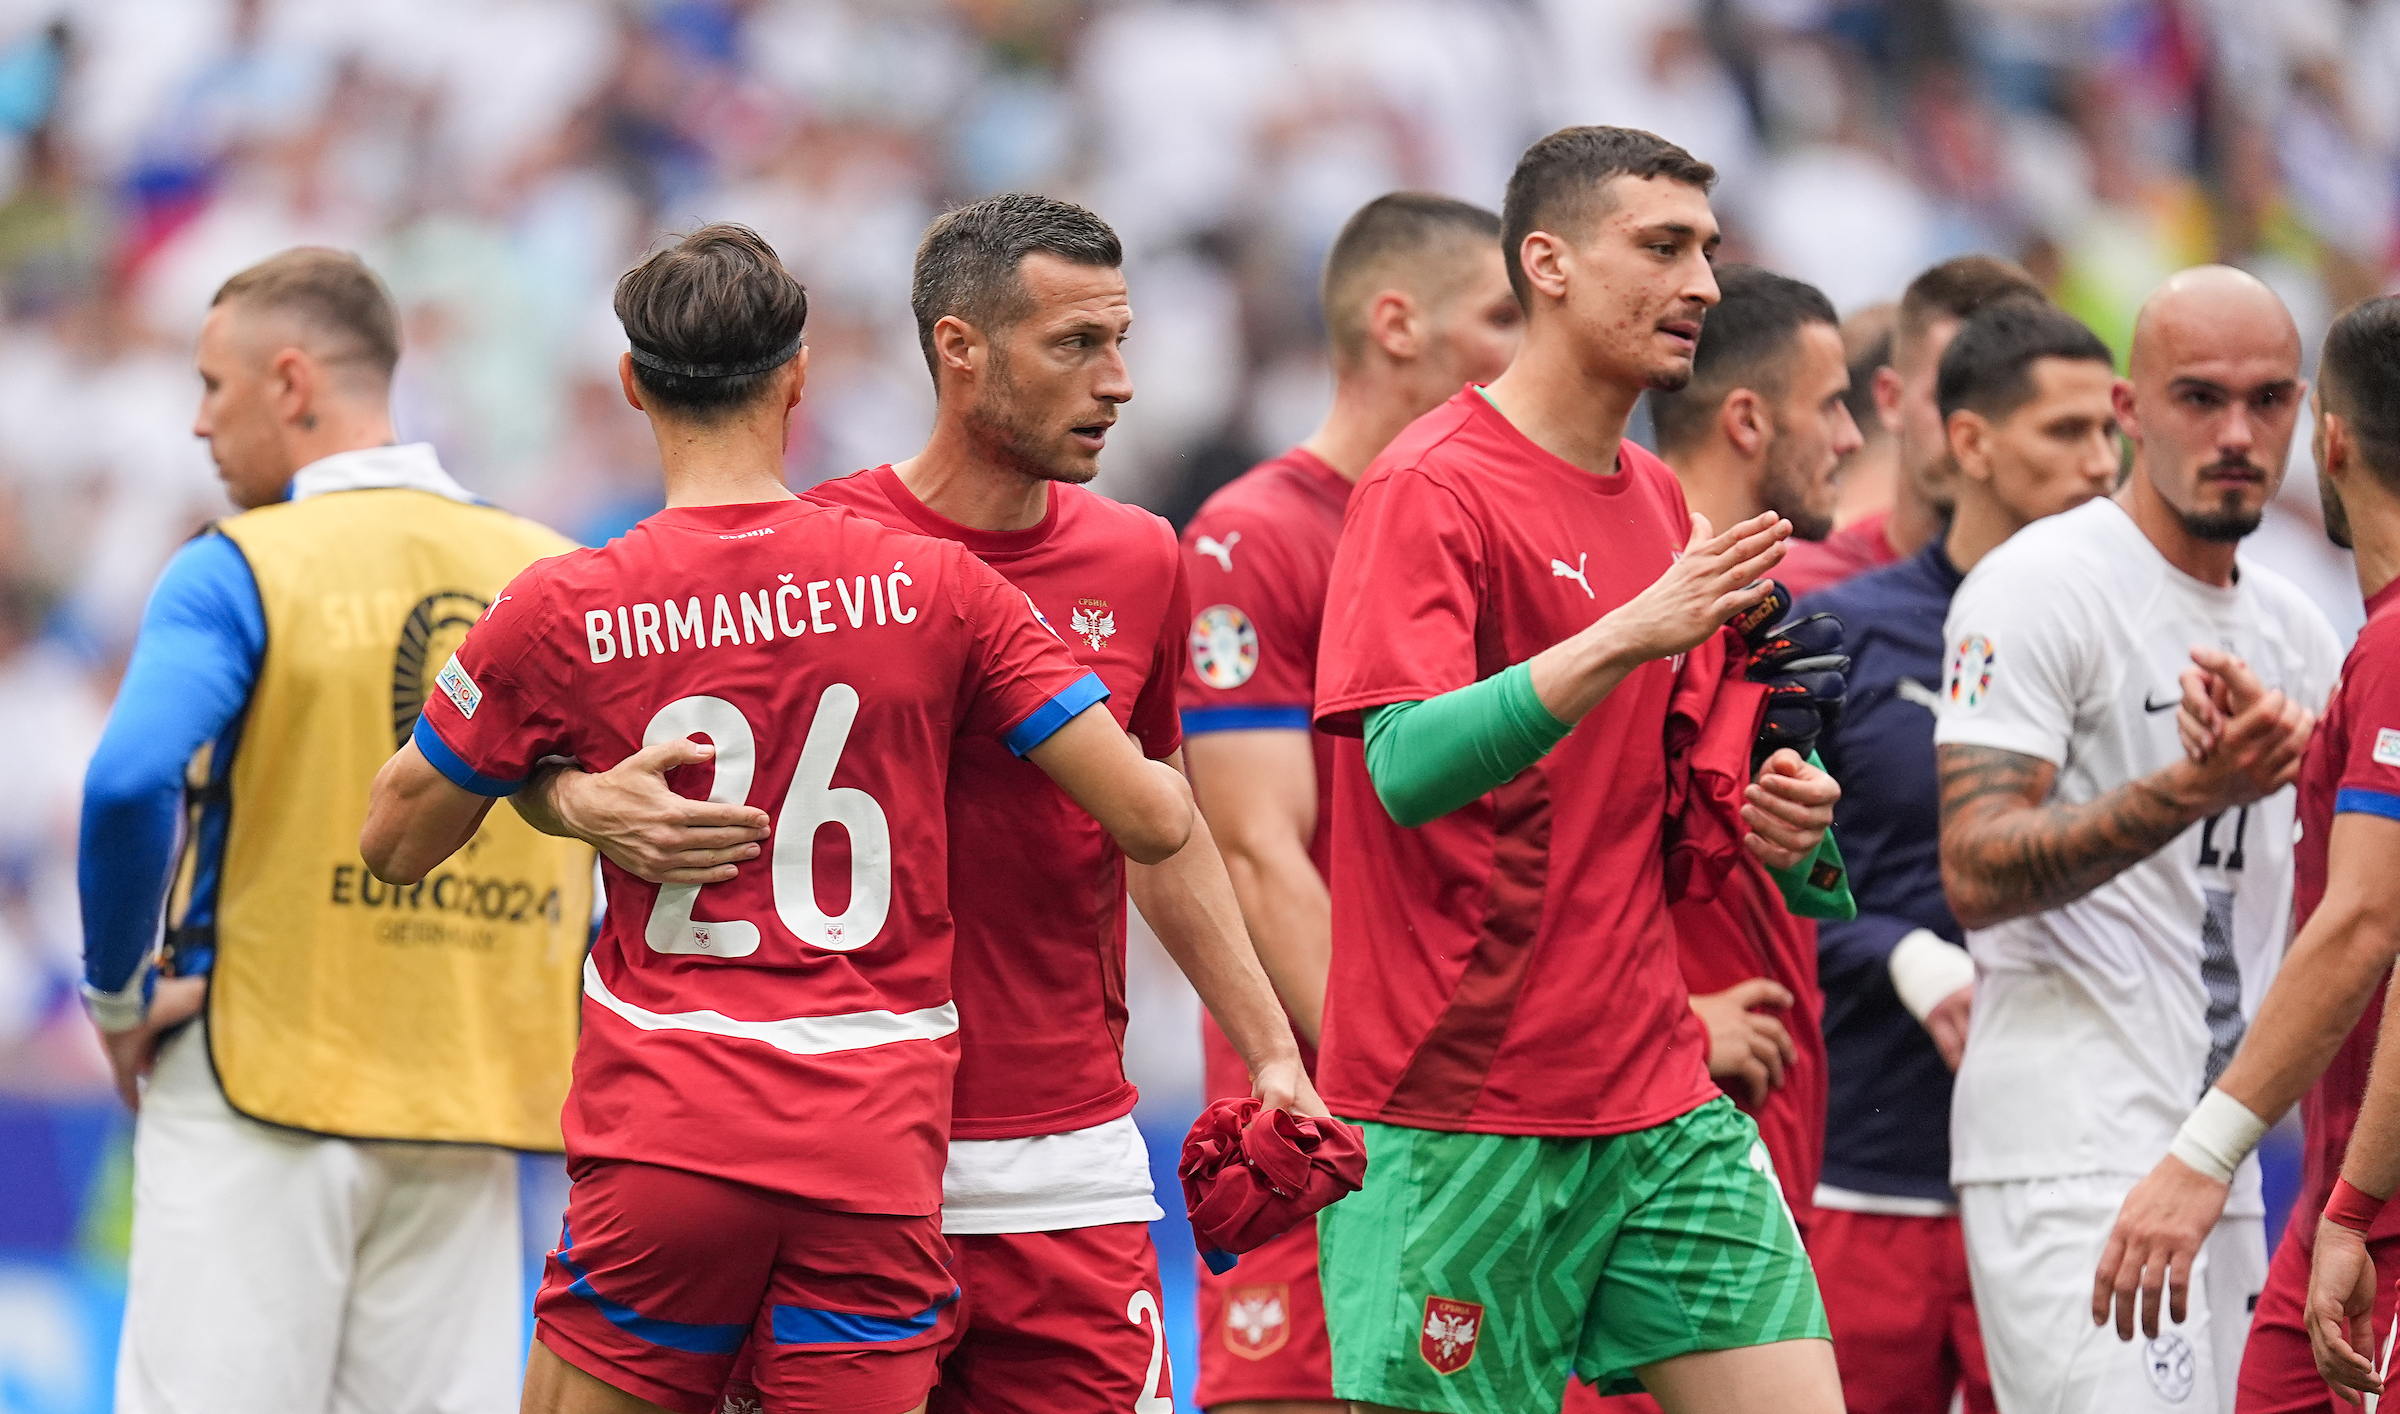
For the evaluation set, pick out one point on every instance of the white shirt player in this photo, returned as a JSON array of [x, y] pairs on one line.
[[2099, 1024]]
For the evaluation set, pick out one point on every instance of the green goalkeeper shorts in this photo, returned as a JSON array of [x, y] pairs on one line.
[[1475, 1270]]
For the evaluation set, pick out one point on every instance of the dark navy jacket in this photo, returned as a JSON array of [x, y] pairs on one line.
[[1888, 1107]]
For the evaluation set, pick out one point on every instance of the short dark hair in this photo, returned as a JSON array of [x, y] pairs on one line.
[[2360, 371], [1400, 229], [718, 299], [1557, 184], [968, 263], [1867, 345], [1745, 342], [333, 293], [1988, 368], [1956, 289]]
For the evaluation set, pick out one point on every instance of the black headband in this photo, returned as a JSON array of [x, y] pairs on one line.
[[650, 360]]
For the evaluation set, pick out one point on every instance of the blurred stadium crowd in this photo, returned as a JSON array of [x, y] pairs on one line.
[[500, 161]]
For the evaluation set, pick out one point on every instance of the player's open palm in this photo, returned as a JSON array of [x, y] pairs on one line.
[[1719, 574], [2340, 1311], [2148, 1260]]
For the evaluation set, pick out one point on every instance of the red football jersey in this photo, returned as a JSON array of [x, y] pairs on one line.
[[1745, 932], [1039, 886], [792, 1028], [1260, 553], [2352, 766], [1508, 968]]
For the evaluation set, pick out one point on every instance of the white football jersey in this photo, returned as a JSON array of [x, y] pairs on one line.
[[2097, 1026]]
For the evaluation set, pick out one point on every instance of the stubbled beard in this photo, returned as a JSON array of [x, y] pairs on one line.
[[2337, 515], [1670, 380], [1012, 443], [2219, 527], [1783, 487]]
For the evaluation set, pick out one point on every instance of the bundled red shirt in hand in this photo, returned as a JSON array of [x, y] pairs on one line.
[[1251, 1174]]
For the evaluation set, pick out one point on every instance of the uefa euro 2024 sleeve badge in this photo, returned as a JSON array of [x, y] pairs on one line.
[[1224, 646]]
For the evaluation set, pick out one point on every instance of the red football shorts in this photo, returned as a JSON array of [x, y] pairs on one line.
[[1903, 1316], [1262, 1326], [2279, 1375], [1055, 1321], [661, 1275]]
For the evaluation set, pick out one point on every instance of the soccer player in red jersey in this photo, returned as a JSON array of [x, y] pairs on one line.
[[1931, 309], [1554, 1182], [2317, 1026], [1021, 308], [1417, 304], [762, 1088], [1761, 427]]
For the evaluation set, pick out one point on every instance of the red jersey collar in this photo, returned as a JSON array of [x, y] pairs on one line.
[[985, 543], [1320, 474], [2384, 598], [1539, 457], [732, 515]]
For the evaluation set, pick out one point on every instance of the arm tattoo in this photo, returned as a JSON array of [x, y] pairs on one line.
[[2006, 853]]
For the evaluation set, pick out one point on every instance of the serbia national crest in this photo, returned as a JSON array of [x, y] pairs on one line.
[[1258, 1320], [1451, 1328], [1224, 646]]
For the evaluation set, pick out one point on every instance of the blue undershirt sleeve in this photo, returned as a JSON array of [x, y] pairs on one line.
[[202, 639]]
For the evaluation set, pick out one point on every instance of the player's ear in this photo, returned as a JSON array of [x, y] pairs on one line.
[[1543, 257], [1742, 417], [633, 395], [799, 379], [1887, 399], [293, 383], [957, 346], [1396, 325], [1970, 437], [2120, 398]]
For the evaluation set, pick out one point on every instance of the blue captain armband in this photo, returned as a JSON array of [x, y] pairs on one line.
[[2358, 800], [1055, 713], [1198, 721], [454, 767]]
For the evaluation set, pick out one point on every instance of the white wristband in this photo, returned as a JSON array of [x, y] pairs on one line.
[[119, 1012], [1927, 970], [2217, 1135]]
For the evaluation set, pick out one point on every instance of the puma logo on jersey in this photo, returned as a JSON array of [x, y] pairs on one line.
[[1559, 569], [1911, 690], [1219, 550]]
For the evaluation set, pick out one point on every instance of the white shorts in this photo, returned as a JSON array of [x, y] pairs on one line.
[[274, 1270], [2032, 1249]]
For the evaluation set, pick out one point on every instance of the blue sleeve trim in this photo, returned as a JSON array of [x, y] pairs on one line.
[[452, 765], [1056, 713], [2357, 800], [1197, 720], [202, 638]]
